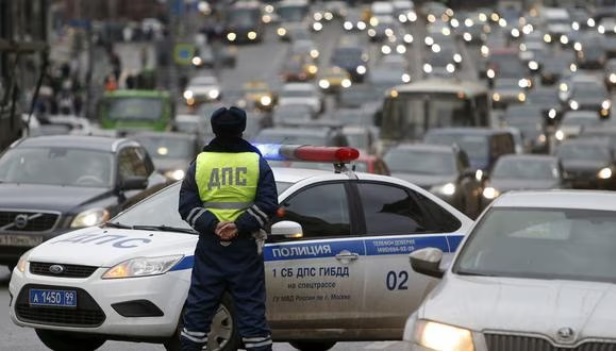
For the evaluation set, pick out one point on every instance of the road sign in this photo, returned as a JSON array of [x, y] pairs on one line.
[[183, 53]]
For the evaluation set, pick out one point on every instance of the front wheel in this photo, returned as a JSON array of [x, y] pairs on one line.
[[68, 341], [312, 345], [223, 335]]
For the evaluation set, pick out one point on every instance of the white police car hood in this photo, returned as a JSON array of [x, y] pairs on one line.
[[106, 247], [524, 305]]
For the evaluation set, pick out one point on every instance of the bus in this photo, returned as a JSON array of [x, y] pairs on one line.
[[244, 22], [410, 110], [126, 110]]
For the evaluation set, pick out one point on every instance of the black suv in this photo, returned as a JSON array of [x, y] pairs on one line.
[[50, 185]]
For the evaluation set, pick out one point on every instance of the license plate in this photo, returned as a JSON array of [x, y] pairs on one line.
[[53, 298], [20, 240]]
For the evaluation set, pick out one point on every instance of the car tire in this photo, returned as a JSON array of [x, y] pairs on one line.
[[223, 336], [69, 341], [312, 345]]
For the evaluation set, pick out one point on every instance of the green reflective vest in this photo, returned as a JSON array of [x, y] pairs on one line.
[[227, 182]]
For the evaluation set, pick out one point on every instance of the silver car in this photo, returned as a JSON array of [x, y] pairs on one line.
[[536, 272]]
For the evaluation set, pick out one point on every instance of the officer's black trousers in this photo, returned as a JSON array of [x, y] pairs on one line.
[[237, 269]]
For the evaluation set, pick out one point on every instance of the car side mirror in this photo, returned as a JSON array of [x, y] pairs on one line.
[[288, 229], [133, 183], [427, 261]]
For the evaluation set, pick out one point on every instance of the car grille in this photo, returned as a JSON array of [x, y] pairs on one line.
[[501, 342], [87, 313], [28, 221], [73, 271]]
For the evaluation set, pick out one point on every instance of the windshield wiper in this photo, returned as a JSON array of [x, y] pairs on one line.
[[117, 225], [164, 228]]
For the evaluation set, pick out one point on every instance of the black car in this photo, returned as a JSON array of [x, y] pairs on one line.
[[547, 99], [482, 145], [50, 185], [443, 170], [523, 172], [352, 58], [171, 152], [588, 163], [591, 96]]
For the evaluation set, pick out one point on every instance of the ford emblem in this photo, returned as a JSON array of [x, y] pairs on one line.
[[56, 269], [565, 333]]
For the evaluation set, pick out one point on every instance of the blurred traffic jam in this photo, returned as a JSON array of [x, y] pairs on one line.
[[470, 101]]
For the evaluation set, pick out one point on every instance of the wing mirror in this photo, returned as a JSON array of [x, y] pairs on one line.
[[133, 183], [427, 261], [288, 229]]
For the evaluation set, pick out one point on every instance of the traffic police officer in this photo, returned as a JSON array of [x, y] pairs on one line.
[[228, 196]]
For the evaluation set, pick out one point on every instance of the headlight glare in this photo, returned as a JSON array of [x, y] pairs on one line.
[[175, 174], [143, 266], [90, 217], [447, 189], [442, 337], [490, 193], [605, 173]]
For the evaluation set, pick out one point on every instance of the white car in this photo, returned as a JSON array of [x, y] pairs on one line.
[[302, 94], [202, 89], [536, 272], [336, 264]]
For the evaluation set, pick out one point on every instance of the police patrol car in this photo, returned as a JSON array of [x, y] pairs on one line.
[[336, 264]]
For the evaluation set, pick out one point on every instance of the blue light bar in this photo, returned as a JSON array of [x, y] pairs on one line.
[[270, 151]]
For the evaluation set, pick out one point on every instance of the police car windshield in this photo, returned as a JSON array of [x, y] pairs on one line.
[[161, 209], [542, 243]]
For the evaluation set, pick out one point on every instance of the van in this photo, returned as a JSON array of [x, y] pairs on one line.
[[482, 145]]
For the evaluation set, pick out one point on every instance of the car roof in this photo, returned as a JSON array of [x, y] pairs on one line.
[[424, 147], [565, 199], [100, 143], [528, 157]]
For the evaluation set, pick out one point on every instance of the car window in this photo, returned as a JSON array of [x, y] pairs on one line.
[[131, 163], [392, 210], [322, 210]]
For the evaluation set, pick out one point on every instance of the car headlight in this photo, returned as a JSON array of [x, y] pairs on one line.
[[552, 113], [490, 73], [429, 41], [406, 78], [408, 38], [496, 97], [252, 35], [601, 29], [447, 189], [361, 69], [450, 68], [265, 100], [281, 32], [612, 77], [515, 32], [361, 25], [606, 104], [560, 135], [175, 174], [213, 94], [577, 46], [490, 192], [197, 61], [457, 58], [427, 68], [533, 65], [547, 38], [467, 37], [485, 51], [22, 263], [314, 53], [231, 36], [401, 49], [324, 84], [605, 173], [573, 67], [575, 26], [348, 25], [317, 26], [143, 266], [574, 105], [524, 83], [521, 97], [90, 217], [591, 22], [442, 337], [563, 87], [188, 94], [564, 40], [346, 83], [385, 49]]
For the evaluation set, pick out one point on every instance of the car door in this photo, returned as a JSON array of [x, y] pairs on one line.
[[397, 221], [316, 282]]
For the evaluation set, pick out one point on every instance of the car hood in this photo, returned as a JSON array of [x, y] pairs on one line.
[[583, 164], [424, 181], [106, 247], [504, 185], [523, 305], [48, 197]]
